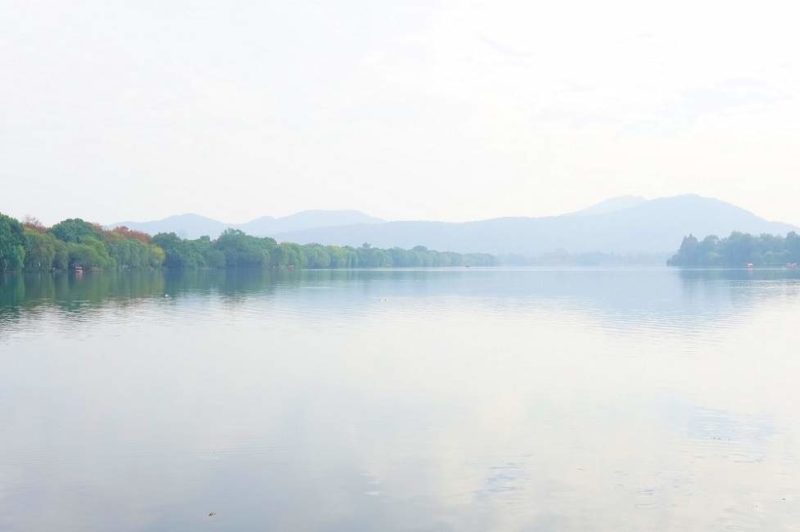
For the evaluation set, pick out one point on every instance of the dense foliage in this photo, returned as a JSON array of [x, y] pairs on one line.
[[12, 244], [739, 250], [75, 243], [236, 249]]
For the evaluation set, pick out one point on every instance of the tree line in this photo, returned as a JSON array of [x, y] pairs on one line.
[[77, 244], [739, 250]]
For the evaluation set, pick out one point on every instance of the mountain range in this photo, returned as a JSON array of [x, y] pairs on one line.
[[195, 225], [625, 225]]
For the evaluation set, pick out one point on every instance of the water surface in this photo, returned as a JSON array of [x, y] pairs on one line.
[[429, 400]]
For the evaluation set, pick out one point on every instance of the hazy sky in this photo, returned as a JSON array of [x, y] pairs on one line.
[[458, 110]]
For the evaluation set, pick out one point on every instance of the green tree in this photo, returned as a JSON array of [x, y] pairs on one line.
[[76, 230], [242, 250], [737, 251], [12, 244], [90, 253], [793, 247], [40, 250]]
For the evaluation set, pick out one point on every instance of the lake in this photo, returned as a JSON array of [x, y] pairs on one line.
[[413, 400]]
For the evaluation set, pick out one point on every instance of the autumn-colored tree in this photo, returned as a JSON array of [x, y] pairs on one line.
[[33, 223], [131, 234]]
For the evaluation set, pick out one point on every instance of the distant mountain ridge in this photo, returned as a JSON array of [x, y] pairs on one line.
[[268, 226], [626, 225], [630, 226], [195, 226], [611, 205], [184, 225]]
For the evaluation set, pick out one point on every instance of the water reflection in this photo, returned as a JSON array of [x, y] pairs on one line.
[[622, 298], [400, 400]]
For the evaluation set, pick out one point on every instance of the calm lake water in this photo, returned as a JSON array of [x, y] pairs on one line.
[[438, 400]]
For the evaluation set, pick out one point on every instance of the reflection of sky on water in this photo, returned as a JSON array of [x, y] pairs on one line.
[[427, 400], [657, 298]]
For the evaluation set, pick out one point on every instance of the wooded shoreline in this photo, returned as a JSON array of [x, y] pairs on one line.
[[75, 244]]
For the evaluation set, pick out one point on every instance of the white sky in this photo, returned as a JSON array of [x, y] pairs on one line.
[[113, 110]]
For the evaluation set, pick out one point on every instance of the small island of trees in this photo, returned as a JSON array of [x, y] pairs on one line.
[[77, 244], [739, 250]]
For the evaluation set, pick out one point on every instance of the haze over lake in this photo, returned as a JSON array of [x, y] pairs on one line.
[[399, 266], [450, 399]]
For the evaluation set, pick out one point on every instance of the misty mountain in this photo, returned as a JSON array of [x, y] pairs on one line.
[[183, 225], [621, 226], [195, 226], [611, 205], [269, 226]]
